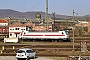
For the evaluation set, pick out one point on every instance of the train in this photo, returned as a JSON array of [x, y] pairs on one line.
[[45, 36]]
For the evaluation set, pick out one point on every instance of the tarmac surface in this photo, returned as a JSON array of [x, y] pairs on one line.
[[38, 58]]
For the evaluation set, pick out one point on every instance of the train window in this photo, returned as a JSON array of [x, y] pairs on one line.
[[16, 28], [28, 28], [66, 32], [22, 29], [11, 29]]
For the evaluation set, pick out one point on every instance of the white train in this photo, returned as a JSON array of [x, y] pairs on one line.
[[46, 36]]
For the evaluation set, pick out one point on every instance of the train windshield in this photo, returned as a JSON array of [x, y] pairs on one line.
[[66, 32]]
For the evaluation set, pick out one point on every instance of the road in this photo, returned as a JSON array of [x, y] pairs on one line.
[[38, 58]]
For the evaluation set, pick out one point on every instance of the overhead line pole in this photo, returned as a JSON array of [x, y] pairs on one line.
[[73, 30], [54, 21], [46, 18]]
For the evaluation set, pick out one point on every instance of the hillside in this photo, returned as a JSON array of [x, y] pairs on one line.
[[31, 15]]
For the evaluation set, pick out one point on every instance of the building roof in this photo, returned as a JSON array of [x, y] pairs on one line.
[[16, 24], [28, 23], [3, 21]]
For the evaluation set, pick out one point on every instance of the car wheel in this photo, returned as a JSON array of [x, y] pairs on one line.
[[21, 59], [34, 57], [24, 59], [27, 58], [18, 59]]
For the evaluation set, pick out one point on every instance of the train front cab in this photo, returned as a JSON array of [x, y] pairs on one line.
[[66, 37]]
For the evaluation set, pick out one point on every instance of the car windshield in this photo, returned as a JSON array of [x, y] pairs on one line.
[[20, 51], [29, 51]]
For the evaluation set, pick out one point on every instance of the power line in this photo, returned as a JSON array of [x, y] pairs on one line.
[[36, 4]]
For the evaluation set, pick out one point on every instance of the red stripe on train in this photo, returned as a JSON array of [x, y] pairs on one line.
[[43, 35], [32, 35], [54, 35]]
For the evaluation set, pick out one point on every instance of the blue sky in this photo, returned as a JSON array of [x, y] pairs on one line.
[[63, 7]]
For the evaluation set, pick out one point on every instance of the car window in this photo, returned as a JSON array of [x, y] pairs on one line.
[[29, 51], [32, 51], [20, 51]]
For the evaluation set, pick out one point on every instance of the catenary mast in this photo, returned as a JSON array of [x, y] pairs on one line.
[[46, 18]]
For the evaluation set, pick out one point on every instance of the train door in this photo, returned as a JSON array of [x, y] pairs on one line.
[[16, 35]]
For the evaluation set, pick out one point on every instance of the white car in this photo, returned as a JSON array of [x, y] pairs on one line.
[[25, 54]]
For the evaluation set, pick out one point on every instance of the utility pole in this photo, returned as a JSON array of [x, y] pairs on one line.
[[54, 21], [46, 18], [82, 28], [9, 22], [73, 30]]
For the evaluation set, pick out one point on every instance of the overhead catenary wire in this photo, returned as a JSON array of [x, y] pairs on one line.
[[36, 4]]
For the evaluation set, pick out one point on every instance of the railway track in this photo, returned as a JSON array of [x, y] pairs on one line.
[[42, 50], [47, 48]]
